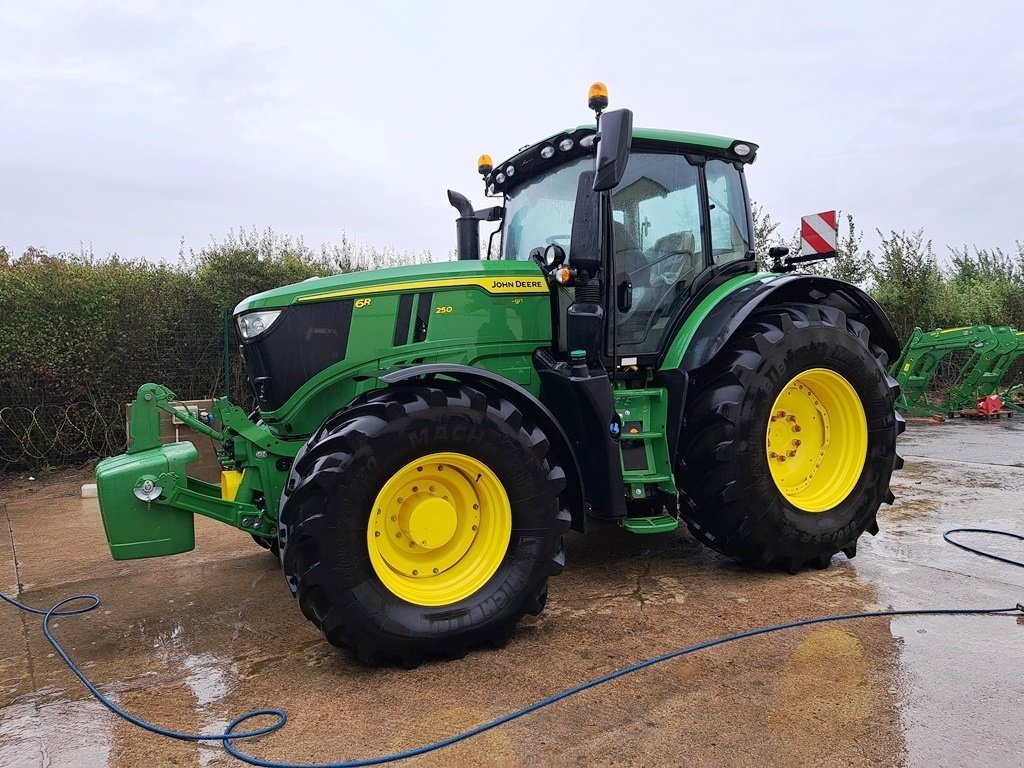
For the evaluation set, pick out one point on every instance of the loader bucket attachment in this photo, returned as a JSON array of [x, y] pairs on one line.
[[136, 527]]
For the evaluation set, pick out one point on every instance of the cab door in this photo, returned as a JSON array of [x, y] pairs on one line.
[[659, 247]]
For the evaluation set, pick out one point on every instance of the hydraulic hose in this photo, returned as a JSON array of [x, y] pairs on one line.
[[230, 735]]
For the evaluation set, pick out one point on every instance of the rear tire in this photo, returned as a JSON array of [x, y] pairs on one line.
[[487, 523], [838, 437]]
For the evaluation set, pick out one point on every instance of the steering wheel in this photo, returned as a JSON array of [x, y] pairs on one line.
[[554, 240], [662, 258]]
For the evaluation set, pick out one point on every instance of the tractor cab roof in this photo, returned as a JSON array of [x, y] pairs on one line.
[[572, 143]]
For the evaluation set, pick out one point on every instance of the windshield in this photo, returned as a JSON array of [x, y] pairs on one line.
[[540, 211]]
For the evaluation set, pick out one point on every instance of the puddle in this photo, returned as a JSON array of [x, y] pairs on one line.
[[206, 678], [66, 734], [957, 703]]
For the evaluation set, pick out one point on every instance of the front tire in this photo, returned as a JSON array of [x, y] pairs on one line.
[[423, 522], [791, 439]]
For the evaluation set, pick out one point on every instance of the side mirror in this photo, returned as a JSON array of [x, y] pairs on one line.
[[614, 136], [584, 253]]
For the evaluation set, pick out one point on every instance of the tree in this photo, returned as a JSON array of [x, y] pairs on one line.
[[765, 233], [907, 281]]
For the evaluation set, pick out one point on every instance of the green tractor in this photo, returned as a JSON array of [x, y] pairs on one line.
[[426, 435]]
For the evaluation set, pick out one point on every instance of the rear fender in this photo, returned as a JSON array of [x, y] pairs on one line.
[[715, 327]]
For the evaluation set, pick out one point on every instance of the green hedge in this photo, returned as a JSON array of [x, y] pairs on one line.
[[78, 334]]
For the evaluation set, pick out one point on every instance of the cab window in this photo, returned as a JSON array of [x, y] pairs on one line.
[[730, 238]]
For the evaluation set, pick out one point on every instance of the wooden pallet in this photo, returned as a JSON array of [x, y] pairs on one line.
[[936, 419], [968, 413]]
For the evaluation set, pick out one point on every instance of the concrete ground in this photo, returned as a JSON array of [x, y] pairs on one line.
[[191, 641]]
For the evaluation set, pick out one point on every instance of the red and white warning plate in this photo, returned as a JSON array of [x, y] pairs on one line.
[[818, 234]]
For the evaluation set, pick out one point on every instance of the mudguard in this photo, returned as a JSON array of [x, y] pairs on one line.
[[525, 401], [715, 321]]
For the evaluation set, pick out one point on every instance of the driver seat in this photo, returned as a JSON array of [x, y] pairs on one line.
[[683, 243], [628, 255]]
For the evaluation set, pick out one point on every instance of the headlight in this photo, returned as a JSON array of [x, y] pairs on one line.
[[252, 324]]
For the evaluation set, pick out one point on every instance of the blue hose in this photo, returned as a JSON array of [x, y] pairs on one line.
[[230, 735]]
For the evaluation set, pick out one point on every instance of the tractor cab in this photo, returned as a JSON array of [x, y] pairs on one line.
[[642, 248]]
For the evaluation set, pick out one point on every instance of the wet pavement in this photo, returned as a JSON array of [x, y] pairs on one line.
[[192, 641]]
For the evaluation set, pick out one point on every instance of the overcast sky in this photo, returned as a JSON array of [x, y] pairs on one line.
[[129, 126]]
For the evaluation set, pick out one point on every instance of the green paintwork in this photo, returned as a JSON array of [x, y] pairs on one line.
[[991, 353], [469, 326], [920, 359], [683, 339], [982, 373], [705, 140], [998, 373], [133, 527], [659, 524], [394, 276], [164, 526], [649, 408], [701, 140]]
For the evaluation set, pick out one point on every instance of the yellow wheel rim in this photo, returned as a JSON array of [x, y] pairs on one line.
[[439, 529], [817, 440]]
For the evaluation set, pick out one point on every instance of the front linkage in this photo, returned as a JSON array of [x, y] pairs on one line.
[[148, 499]]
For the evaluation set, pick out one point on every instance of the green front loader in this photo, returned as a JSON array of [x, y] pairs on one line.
[[426, 435]]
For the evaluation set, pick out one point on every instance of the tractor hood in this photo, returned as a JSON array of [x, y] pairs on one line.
[[493, 277], [308, 345]]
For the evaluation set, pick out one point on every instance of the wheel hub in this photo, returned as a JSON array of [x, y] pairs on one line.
[[429, 521]]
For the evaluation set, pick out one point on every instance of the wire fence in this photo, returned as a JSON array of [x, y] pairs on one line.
[[56, 435], [39, 428]]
